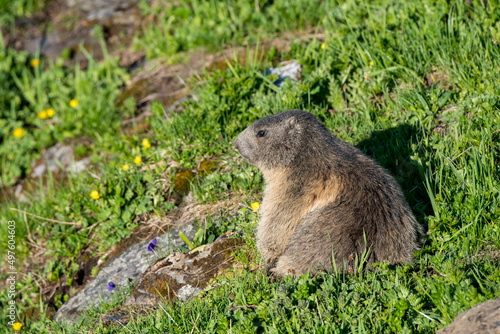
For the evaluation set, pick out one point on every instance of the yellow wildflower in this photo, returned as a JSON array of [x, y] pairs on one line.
[[125, 167], [372, 63], [73, 103], [34, 62], [324, 46], [18, 133], [17, 326], [146, 143], [94, 194], [137, 160], [255, 206], [42, 114], [50, 112]]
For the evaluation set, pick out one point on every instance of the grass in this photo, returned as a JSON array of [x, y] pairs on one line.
[[12, 9], [412, 85], [214, 24], [28, 91]]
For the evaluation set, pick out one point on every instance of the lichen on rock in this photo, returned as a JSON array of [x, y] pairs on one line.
[[180, 276]]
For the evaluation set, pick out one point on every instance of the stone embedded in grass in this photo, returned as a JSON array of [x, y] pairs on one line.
[[111, 286], [183, 275], [152, 245], [56, 157], [124, 266], [288, 69], [481, 319]]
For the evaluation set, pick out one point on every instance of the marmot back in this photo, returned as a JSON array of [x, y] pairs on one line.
[[323, 197]]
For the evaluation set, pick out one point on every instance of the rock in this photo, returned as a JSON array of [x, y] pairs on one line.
[[126, 261], [18, 192], [56, 156], [483, 318], [289, 69], [72, 25], [78, 166], [183, 275], [156, 82], [122, 270]]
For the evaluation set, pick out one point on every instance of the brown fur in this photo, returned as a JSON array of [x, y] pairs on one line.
[[323, 197]]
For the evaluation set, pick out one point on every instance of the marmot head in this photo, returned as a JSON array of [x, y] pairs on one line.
[[275, 141]]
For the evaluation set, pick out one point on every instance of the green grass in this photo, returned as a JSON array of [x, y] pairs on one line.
[[11, 9], [188, 24], [28, 91], [368, 83]]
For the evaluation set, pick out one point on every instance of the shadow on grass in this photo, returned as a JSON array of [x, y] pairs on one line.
[[392, 148]]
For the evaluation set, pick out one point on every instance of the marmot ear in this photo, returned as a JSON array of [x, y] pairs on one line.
[[294, 125]]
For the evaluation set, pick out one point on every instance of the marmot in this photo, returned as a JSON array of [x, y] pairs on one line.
[[323, 197]]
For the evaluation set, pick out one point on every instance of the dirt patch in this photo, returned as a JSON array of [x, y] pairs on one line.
[[438, 77], [65, 26]]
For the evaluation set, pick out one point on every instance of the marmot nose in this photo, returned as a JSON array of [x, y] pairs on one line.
[[236, 144]]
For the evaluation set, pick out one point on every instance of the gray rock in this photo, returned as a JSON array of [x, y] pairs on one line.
[[56, 157], [121, 270], [52, 159], [187, 292], [18, 192], [100, 9], [119, 18], [183, 275], [483, 318], [78, 166], [289, 69]]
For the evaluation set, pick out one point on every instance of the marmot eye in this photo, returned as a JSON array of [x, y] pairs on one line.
[[261, 133]]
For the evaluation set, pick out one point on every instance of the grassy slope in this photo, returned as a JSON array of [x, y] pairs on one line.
[[370, 83]]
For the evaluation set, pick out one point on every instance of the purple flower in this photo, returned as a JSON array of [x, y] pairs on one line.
[[111, 286], [152, 245]]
